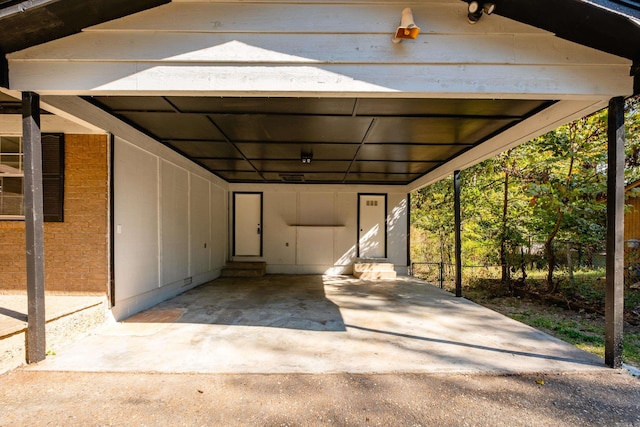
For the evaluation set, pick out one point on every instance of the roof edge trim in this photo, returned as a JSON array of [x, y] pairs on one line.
[[23, 6]]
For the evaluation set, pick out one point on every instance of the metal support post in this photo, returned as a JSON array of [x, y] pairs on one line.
[[614, 296], [34, 232], [4, 71], [458, 222]]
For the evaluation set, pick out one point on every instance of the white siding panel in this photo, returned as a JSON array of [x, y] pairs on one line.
[[219, 222], [345, 249], [315, 246], [280, 212], [316, 48], [158, 231], [307, 18], [316, 209], [200, 225], [174, 230], [136, 220], [397, 228]]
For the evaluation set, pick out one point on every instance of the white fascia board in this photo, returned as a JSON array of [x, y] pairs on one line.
[[320, 188], [422, 81], [60, 121], [11, 124]]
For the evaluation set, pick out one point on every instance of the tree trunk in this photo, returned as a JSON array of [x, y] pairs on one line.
[[523, 264], [550, 254], [569, 262]]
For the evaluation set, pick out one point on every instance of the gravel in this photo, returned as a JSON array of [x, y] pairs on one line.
[[116, 399]]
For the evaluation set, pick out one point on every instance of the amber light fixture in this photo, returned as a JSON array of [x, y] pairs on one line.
[[407, 29]]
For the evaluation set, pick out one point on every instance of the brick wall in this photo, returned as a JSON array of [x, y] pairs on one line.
[[76, 250]]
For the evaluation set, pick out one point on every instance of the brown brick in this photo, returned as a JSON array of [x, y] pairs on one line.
[[76, 256]]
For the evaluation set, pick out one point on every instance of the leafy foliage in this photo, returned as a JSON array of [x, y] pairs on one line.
[[550, 189]]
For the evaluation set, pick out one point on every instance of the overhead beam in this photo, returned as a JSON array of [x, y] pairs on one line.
[[34, 229]]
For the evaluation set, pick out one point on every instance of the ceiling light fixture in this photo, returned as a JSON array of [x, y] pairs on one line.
[[476, 9], [407, 29], [306, 157]]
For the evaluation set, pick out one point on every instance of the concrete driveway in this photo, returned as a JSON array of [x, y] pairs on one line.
[[319, 324]]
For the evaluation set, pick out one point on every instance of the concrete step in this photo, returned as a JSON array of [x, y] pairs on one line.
[[244, 269], [372, 266], [374, 269], [375, 275], [245, 265]]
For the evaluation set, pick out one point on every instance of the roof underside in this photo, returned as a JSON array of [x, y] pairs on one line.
[[349, 140], [606, 25], [29, 23]]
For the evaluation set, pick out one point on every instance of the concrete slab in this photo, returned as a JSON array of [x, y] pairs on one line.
[[67, 318], [316, 324], [13, 309]]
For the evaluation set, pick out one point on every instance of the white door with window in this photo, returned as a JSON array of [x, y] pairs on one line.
[[247, 224], [372, 231]]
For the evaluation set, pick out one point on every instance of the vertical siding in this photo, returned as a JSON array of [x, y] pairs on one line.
[[632, 219], [170, 226]]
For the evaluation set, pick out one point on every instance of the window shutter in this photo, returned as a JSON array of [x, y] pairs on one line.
[[53, 177]]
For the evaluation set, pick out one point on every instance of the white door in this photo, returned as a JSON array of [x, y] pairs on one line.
[[372, 234], [247, 224]]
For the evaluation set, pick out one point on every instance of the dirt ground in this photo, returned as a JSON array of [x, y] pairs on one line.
[[117, 399], [588, 323]]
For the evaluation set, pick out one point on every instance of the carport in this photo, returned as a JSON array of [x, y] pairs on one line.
[[309, 104]]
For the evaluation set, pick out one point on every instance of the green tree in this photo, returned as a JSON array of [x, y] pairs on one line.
[[552, 187], [565, 180]]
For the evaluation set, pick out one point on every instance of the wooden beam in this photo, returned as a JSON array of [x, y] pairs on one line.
[[458, 227], [33, 216], [614, 296]]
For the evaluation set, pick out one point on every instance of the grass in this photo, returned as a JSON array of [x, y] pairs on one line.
[[584, 329]]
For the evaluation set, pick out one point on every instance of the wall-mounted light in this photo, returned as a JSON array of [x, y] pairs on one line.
[[306, 157], [407, 29], [476, 9]]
